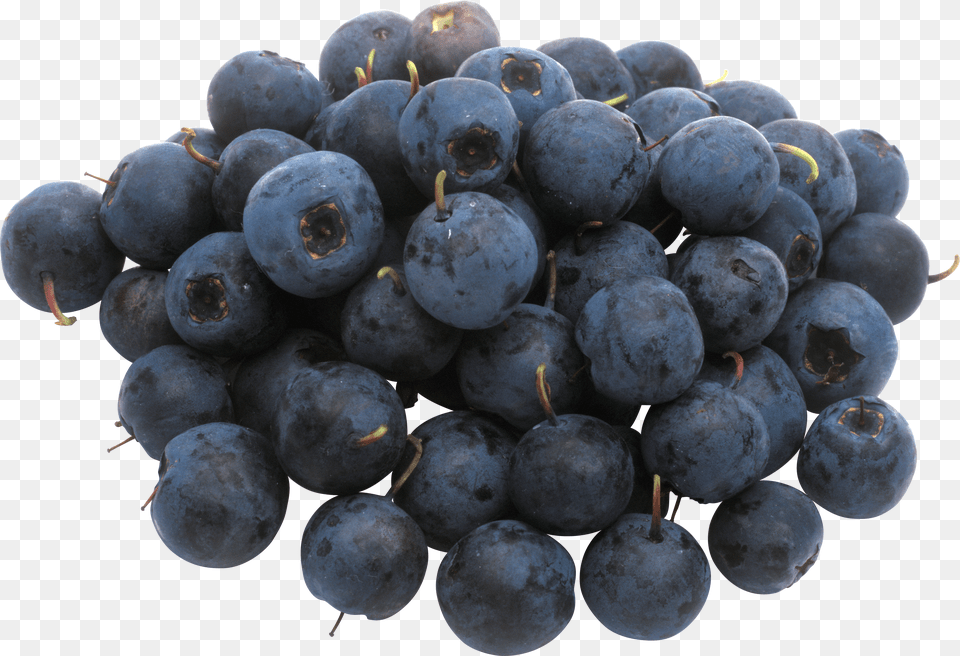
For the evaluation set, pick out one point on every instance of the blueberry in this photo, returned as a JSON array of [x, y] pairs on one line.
[[55, 230], [221, 497], [261, 89], [170, 390], [658, 64], [858, 458], [363, 555], [314, 223], [133, 313], [837, 341], [751, 102], [879, 169], [444, 35], [766, 538], [644, 587], [506, 588], [594, 68]]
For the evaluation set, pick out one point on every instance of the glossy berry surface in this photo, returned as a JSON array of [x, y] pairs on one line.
[[507, 588], [766, 538], [221, 497], [642, 587], [363, 555], [858, 458]]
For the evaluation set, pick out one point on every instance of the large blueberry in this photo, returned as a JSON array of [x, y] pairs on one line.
[[56, 229], [471, 264], [221, 497], [506, 588], [642, 339], [837, 341], [314, 223], [463, 126], [858, 458]]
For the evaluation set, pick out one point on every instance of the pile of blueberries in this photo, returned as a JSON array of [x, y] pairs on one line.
[[440, 216]]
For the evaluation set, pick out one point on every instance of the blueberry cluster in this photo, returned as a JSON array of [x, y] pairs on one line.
[[436, 215]]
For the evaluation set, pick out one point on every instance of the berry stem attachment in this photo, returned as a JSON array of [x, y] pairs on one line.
[[370, 64], [676, 504], [197, 155], [150, 498], [669, 216], [398, 288], [940, 276], [655, 534], [48, 292], [414, 79], [418, 445], [361, 77], [121, 443], [616, 101], [370, 438], [578, 238], [551, 280], [110, 183], [339, 619], [442, 213], [543, 393], [802, 154], [656, 143], [719, 79], [739, 360]]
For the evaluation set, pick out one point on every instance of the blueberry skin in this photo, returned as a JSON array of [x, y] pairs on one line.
[[314, 224], [322, 413], [643, 588], [444, 35], [737, 288], [837, 341], [790, 229], [221, 497], [460, 482], [658, 64], [261, 89], [497, 366], [243, 162], [170, 390], [720, 173], [572, 478], [133, 313], [507, 588], [533, 82], [769, 384], [463, 126], [662, 112], [363, 555], [578, 148], [752, 102], [855, 471], [56, 228], [386, 32], [708, 444], [261, 377], [883, 256], [220, 302], [880, 170], [642, 339], [384, 328], [160, 206], [594, 68], [586, 265], [364, 127], [833, 195], [766, 538], [472, 266]]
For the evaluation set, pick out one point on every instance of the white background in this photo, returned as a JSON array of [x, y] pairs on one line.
[[81, 567]]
